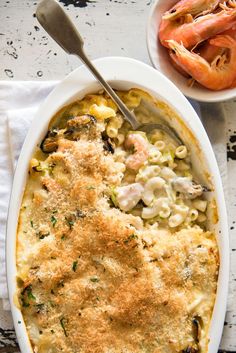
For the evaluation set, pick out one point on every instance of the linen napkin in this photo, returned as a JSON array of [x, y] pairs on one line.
[[18, 104]]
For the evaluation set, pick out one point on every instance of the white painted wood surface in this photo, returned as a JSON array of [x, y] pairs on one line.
[[109, 28]]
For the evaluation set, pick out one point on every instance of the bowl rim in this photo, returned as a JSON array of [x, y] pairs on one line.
[[200, 94], [122, 73]]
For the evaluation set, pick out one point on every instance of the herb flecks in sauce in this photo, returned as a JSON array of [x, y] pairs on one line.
[[53, 221], [63, 322], [74, 265]]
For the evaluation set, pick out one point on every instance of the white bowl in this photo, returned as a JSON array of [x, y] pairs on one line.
[[160, 59], [122, 73]]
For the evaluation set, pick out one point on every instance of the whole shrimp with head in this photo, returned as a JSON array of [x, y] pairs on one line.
[[220, 74], [207, 51], [190, 23]]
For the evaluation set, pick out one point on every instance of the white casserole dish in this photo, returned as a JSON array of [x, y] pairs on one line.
[[123, 73]]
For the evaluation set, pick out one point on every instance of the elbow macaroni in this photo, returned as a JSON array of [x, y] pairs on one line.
[[150, 187], [160, 145], [181, 152], [176, 220], [114, 125], [120, 138], [193, 214], [146, 173], [167, 173], [200, 205], [158, 206], [101, 112], [154, 155]]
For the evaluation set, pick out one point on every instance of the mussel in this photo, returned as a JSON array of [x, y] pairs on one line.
[[107, 144], [50, 142], [78, 125]]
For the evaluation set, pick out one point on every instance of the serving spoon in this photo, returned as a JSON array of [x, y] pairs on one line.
[[58, 25]]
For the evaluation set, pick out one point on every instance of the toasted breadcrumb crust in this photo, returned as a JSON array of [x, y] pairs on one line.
[[91, 281]]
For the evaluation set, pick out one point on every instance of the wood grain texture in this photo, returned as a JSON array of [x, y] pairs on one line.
[[109, 28]]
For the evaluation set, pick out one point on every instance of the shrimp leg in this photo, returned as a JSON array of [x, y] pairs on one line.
[[216, 76]]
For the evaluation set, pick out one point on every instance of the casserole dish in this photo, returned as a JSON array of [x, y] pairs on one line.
[[122, 74]]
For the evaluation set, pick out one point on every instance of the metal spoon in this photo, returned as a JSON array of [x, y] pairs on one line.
[[55, 21]]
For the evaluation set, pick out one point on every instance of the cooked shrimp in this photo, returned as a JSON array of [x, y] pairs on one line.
[[200, 29], [193, 7], [207, 51], [140, 144], [210, 51], [220, 74]]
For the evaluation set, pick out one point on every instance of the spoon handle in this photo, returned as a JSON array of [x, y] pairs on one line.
[[55, 21]]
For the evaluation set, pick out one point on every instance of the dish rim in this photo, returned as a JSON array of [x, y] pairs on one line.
[[122, 72], [199, 93]]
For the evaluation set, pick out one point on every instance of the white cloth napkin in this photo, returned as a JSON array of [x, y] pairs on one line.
[[18, 103]]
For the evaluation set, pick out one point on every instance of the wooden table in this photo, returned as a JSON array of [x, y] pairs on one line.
[[109, 28]]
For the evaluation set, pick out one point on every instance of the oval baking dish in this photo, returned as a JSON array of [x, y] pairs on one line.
[[124, 74]]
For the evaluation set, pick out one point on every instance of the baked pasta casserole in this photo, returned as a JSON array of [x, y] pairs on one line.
[[114, 254]]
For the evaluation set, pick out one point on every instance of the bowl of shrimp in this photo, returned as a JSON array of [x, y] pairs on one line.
[[193, 43]]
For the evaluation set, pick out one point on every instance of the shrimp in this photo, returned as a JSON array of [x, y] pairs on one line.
[[207, 51], [194, 7], [191, 33], [140, 144], [220, 74]]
